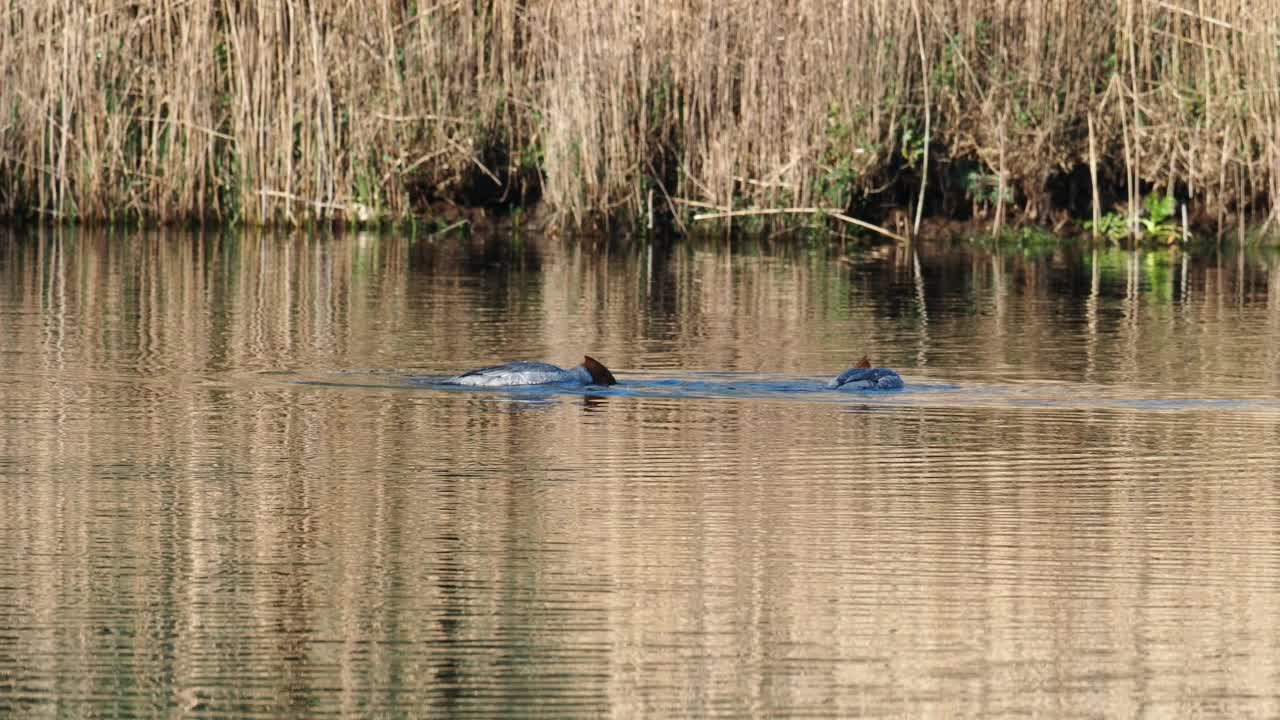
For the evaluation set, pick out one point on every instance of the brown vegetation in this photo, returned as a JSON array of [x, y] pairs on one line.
[[292, 111]]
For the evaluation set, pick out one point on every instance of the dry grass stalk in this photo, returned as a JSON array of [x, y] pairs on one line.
[[264, 112], [725, 214]]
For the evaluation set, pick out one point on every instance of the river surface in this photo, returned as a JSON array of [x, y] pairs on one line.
[[231, 485]]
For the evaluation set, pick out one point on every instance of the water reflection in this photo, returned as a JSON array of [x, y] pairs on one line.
[[226, 492]]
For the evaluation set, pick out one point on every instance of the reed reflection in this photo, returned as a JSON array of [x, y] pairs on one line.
[[187, 528]]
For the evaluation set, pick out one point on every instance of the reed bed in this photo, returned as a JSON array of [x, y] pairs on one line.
[[293, 111]]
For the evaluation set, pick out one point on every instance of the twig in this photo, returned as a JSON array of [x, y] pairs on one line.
[[924, 72], [864, 224], [174, 121], [458, 146], [762, 183], [429, 156], [1137, 116], [448, 228], [317, 204], [411, 118], [998, 220], [1197, 16], [670, 203], [1187, 40], [1093, 179], [830, 212], [750, 212], [695, 203]]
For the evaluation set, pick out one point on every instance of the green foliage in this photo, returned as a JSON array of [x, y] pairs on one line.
[[1158, 274], [913, 139], [840, 169], [1028, 241], [984, 188], [532, 158], [1111, 226], [944, 74], [365, 209], [1155, 223], [1193, 103]]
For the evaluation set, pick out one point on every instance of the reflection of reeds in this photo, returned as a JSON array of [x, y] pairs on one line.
[[289, 111], [171, 506]]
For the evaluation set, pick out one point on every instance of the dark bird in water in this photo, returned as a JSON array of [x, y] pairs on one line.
[[522, 372], [864, 377]]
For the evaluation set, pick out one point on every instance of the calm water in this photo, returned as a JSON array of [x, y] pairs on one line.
[[229, 487]]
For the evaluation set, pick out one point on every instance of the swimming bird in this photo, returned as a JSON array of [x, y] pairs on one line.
[[522, 372], [864, 377]]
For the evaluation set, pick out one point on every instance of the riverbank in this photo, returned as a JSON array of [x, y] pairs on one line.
[[633, 113]]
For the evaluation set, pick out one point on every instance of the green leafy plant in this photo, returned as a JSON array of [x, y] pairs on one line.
[[983, 188], [912, 141], [1155, 223], [840, 168], [1111, 226]]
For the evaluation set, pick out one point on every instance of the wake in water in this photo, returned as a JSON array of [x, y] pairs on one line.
[[698, 385], [591, 372], [920, 392]]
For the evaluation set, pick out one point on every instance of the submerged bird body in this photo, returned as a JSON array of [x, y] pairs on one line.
[[522, 372], [864, 377]]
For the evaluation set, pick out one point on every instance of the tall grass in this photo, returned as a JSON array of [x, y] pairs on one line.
[[300, 110]]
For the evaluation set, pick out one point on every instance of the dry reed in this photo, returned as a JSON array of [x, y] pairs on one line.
[[293, 111]]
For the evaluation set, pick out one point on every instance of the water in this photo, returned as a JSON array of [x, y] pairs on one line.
[[229, 485]]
